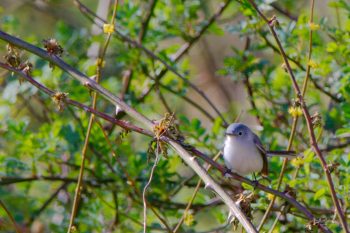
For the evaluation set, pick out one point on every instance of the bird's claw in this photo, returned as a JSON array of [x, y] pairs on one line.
[[227, 173], [255, 184]]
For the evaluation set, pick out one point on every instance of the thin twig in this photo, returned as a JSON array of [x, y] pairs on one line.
[[163, 100], [92, 182], [178, 55], [280, 178], [283, 210], [145, 22], [132, 219], [46, 203], [10, 216], [248, 85], [188, 100], [142, 35], [194, 194], [334, 147], [284, 11], [146, 187], [78, 189], [334, 97], [129, 178], [79, 186]]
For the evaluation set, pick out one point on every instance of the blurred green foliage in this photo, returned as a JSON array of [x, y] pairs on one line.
[[40, 147]]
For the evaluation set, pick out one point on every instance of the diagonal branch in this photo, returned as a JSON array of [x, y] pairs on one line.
[[86, 81], [294, 125], [145, 22], [46, 203], [190, 203], [334, 97], [124, 124], [17, 229]]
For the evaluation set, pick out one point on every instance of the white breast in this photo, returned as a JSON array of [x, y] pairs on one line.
[[242, 158]]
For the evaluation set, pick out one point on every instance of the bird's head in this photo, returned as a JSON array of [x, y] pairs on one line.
[[239, 131]]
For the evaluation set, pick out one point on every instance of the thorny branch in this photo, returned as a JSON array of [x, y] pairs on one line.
[[294, 125]]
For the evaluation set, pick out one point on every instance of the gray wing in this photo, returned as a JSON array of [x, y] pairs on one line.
[[261, 149]]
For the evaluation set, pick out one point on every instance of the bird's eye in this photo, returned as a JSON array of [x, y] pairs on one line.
[[240, 133]]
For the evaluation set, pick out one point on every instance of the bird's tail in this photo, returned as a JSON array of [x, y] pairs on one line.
[[283, 153]]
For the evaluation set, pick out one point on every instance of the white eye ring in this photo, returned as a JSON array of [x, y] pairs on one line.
[[240, 133]]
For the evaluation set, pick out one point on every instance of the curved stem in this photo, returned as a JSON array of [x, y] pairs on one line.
[[145, 190]]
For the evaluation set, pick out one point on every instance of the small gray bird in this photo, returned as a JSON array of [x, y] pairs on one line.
[[244, 152]]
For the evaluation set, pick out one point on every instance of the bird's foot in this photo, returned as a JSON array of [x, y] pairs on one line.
[[255, 183], [227, 173]]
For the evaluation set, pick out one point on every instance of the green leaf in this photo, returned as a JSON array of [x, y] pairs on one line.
[[344, 132], [247, 187], [196, 124], [332, 47], [216, 30], [319, 193], [216, 129]]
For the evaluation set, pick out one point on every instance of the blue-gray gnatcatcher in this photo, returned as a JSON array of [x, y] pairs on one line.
[[244, 152]]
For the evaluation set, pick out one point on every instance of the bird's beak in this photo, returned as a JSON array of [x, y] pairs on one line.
[[230, 134]]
